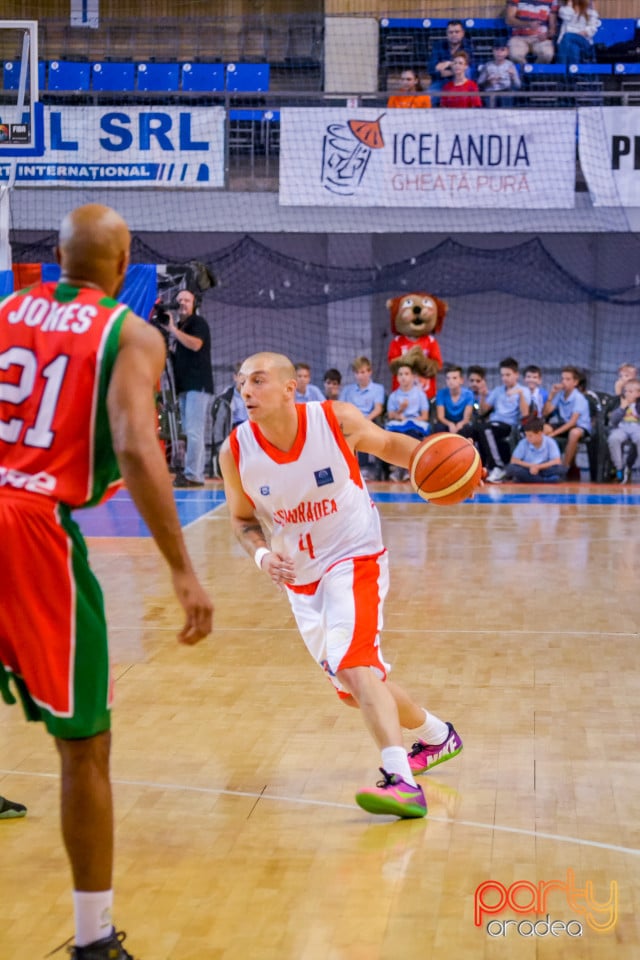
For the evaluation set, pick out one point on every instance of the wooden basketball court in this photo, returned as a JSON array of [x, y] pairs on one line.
[[235, 766]]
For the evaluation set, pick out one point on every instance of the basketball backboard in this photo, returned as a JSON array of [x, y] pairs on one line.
[[21, 127]]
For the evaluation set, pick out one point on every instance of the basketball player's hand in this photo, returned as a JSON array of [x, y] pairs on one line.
[[279, 568], [197, 606]]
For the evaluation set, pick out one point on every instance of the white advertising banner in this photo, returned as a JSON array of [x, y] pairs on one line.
[[127, 147], [609, 145], [359, 157]]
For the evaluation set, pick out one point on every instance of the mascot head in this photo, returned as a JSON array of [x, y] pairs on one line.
[[416, 314]]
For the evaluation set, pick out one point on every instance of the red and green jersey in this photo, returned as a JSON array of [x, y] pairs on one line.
[[58, 344]]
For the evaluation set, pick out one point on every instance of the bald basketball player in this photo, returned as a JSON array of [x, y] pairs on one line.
[[300, 507], [77, 413]]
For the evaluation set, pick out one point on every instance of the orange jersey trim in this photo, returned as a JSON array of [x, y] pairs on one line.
[[284, 456], [347, 452]]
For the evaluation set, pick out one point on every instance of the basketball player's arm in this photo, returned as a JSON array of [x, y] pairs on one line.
[[246, 525], [363, 435], [132, 418]]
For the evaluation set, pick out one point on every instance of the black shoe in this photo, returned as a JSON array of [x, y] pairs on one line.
[[10, 810], [182, 481], [108, 949]]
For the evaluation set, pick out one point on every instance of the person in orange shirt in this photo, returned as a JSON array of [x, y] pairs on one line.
[[412, 93]]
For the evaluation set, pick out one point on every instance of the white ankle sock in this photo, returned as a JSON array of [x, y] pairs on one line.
[[394, 760], [433, 731], [93, 915]]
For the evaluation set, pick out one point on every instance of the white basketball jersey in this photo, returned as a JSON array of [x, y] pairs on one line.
[[311, 499]]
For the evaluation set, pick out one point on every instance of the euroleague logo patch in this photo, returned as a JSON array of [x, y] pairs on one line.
[[323, 477]]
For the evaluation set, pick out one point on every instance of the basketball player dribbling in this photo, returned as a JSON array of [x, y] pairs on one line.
[[77, 378], [291, 474]]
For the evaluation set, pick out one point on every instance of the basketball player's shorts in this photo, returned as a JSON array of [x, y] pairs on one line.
[[53, 636], [340, 616]]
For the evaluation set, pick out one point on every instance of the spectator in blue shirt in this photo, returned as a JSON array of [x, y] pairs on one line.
[[305, 390], [454, 403], [440, 65], [537, 457], [506, 407], [369, 398], [364, 394], [568, 411], [533, 379]]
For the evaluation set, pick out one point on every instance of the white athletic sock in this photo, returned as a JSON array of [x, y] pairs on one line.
[[395, 760], [433, 731], [93, 915]]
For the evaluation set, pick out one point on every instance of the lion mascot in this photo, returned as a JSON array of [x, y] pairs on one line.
[[415, 318]]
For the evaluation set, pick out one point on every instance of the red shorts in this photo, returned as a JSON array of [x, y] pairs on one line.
[[53, 636], [340, 621]]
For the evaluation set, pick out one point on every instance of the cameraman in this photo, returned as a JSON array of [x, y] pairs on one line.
[[191, 352]]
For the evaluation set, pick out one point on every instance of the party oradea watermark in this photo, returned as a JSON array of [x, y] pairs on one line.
[[534, 904]]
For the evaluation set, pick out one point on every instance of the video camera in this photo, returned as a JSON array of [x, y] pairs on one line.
[[193, 276], [159, 316]]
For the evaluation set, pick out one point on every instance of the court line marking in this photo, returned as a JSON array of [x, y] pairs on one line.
[[419, 630], [280, 798]]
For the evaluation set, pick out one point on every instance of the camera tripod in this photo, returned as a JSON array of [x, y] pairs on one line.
[[170, 426]]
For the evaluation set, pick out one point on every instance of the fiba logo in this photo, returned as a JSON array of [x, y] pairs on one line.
[[346, 151]]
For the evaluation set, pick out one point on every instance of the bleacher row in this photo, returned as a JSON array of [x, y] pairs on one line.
[[128, 77], [254, 54]]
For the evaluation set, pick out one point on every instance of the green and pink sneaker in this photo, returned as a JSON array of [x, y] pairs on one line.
[[393, 796]]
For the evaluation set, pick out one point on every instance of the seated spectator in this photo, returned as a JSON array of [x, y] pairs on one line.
[[454, 403], [579, 23], [460, 92], [332, 384], [533, 26], [625, 426], [626, 371], [477, 383], [533, 379], [305, 390], [568, 409], [536, 458], [506, 407], [499, 74], [412, 95], [440, 64], [407, 411], [369, 398]]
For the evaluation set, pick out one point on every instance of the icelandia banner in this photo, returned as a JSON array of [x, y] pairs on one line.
[[427, 158], [609, 146], [127, 147]]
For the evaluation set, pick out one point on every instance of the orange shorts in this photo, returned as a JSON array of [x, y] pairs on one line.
[[341, 620], [53, 637]]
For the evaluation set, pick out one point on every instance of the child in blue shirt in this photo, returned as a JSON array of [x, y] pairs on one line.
[[454, 403], [408, 407], [568, 410], [536, 458]]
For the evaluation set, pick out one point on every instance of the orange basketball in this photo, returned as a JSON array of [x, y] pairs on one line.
[[445, 469]]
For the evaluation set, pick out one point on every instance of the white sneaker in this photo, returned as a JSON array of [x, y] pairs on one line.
[[496, 475]]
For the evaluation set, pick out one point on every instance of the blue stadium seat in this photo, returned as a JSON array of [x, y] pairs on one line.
[[548, 69], [203, 77], [615, 31], [626, 69], [583, 69], [67, 75], [404, 23], [107, 75], [158, 77], [11, 75], [247, 77]]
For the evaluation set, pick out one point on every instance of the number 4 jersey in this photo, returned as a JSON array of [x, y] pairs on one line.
[[58, 344], [311, 499]]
